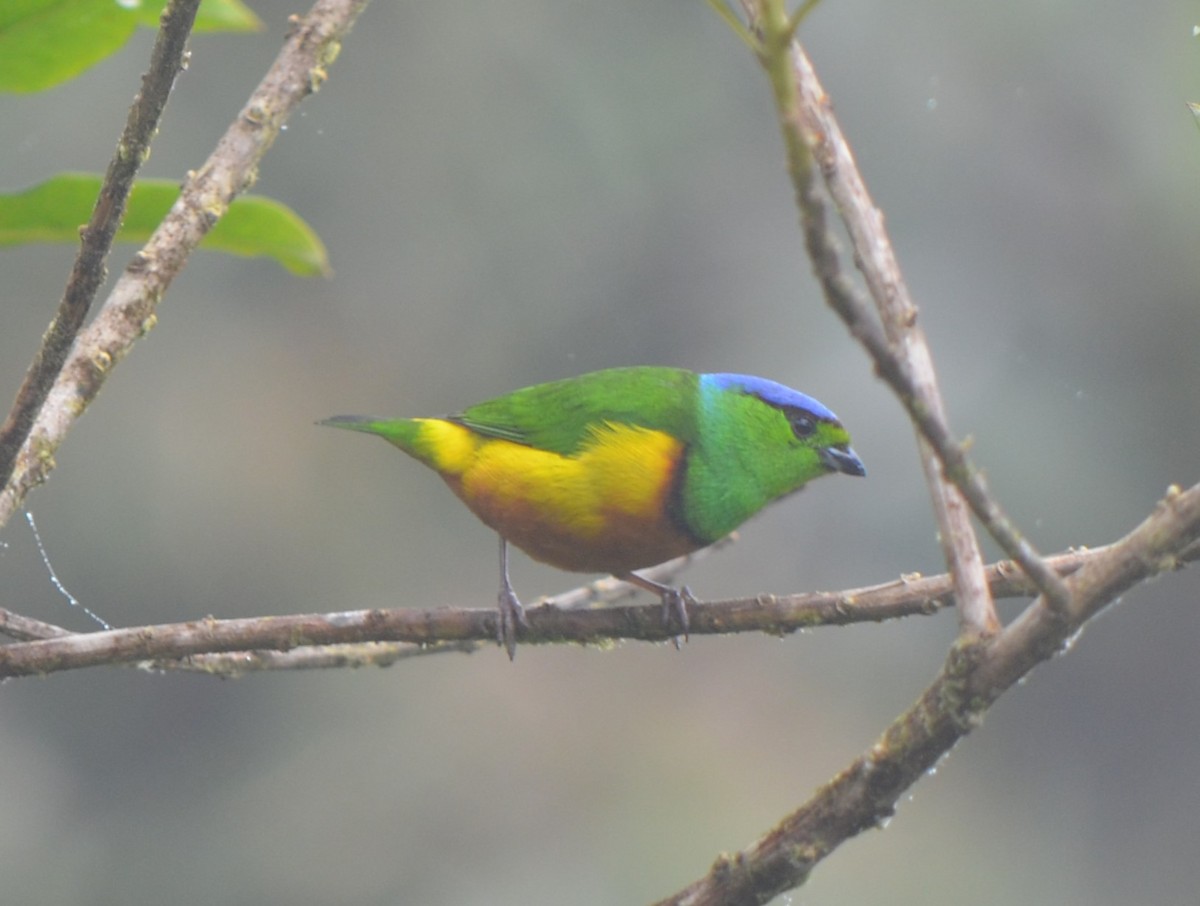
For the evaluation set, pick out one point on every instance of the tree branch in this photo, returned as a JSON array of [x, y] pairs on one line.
[[166, 62], [877, 262], [131, 309], [984, 662], [901, 355], [975, 674], [305, 637]]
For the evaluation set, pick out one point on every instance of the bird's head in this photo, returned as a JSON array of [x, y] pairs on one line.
[[783, 419]]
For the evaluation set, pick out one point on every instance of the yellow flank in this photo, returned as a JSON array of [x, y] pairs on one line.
[[446, 447], [604, 509]]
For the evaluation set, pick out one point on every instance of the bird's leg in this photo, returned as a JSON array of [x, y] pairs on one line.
[[675, 601], [512, 614]]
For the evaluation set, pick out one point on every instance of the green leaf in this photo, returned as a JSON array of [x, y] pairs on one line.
[[253, 227], [256, 226], [46, 42], [226, 15], [213, 15]]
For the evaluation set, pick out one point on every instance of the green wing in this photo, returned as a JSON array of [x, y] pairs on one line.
[[560, 416]]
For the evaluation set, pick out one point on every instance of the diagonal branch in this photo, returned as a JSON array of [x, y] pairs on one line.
[[131, 309], [166, 62]]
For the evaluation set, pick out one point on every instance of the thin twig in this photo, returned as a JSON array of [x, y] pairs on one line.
[[804, 140], [236, 664], [898, 348], [166, 62], [131, 308], [877, 261], [729, 17], [27, 629]]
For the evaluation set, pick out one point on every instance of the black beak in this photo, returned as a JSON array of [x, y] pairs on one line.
[[843, 459]]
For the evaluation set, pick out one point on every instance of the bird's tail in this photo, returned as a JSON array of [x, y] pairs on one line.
[[399, 431]]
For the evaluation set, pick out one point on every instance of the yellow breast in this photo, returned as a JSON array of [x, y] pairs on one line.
[[603, 509]]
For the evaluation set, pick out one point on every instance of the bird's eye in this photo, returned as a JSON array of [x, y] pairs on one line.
[[802, 425]]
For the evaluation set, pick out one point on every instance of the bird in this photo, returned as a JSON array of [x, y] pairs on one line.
[[622, 469]]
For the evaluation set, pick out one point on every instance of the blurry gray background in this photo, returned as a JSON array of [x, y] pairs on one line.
[[521, 191]]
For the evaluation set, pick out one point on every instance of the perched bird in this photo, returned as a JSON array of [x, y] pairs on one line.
[[622, 469]]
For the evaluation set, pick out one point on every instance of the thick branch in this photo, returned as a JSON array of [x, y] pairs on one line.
[[130, 309], [975, 674], [166, 62]]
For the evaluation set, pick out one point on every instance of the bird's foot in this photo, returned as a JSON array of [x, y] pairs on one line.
[[511, 615], [675, 602]]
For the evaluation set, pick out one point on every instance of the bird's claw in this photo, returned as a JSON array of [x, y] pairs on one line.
[[675, 602], [511, 615]]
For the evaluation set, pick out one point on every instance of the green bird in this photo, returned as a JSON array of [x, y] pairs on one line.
[[619, 470]]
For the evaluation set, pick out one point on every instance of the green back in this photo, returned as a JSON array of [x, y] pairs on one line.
[[559, 416]]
